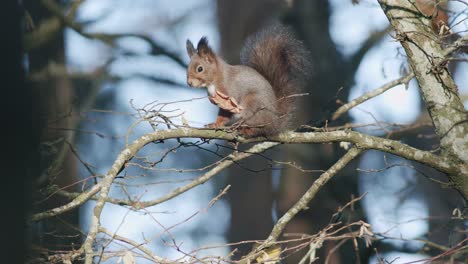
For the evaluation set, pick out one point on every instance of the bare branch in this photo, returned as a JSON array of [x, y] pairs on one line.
[[81, 199], [369, 95]]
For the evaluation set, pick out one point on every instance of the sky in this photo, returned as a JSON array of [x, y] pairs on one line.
[[348, 30]]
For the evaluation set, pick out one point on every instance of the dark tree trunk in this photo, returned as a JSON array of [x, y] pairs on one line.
[[251, 196], [330, 73], [53, 96], [19, 138]]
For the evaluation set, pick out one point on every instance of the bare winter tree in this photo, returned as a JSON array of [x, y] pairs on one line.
[[430, 46]]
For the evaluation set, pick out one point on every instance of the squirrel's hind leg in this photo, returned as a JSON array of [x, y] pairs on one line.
[[250, 131], [223, 118]]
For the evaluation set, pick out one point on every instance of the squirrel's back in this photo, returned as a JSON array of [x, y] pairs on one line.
[[283, 60]]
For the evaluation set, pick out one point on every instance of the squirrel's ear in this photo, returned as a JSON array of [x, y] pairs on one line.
[[190, 49], [204, 50]]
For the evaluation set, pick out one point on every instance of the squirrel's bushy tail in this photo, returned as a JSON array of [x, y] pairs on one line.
[[282, 59]]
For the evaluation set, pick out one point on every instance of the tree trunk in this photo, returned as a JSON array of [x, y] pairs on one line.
[[329, 73], [427, 59], [53, 102], [20, 138], [251, 196]]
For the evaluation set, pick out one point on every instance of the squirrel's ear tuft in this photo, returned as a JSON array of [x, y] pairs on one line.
[[190, 48], [203, 43], [204, 49]]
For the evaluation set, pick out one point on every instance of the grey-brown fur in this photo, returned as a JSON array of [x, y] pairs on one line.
[[274, 68], [283, 60]]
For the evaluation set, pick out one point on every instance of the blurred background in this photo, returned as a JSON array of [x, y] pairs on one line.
[[97, 66]]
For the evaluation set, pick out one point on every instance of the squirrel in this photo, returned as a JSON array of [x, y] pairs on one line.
[[256, 97]]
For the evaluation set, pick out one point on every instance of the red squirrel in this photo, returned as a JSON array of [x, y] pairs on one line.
[[255, 97]]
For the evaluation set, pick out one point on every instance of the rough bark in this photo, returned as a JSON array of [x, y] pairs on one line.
[[427, 59]]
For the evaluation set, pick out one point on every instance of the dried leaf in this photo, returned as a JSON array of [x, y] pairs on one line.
[[226, 102]]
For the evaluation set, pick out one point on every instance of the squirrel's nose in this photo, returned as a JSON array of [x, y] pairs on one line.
[[189, 82]]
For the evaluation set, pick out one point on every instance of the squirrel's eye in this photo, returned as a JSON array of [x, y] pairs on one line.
[[199, 68]]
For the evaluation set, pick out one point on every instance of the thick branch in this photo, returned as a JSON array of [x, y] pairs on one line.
[[437, 86], [439, 91], [364, 141], [441, 163]]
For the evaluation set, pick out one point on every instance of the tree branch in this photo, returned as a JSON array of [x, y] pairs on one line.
[[79, 200], [371, 94], [363, 141], [456, 45]]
